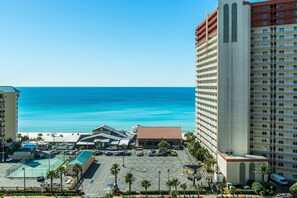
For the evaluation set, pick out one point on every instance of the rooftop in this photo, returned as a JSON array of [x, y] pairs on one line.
[[81, 158], [159, 133], [245, 158], [8, 89]]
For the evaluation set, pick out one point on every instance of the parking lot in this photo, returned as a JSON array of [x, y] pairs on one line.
[[99, 181]]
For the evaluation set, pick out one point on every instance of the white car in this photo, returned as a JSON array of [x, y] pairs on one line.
[[9, 159]]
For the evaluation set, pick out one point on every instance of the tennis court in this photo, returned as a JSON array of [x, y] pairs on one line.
[[34, 167]]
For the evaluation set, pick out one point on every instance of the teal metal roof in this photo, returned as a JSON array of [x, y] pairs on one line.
[[8, 89], [81, 158]]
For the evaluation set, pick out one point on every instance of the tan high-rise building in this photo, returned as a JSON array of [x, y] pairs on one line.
[[8, 113], [246, 80]]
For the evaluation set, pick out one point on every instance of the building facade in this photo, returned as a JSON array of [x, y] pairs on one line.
[[246, 79], [8, 114]]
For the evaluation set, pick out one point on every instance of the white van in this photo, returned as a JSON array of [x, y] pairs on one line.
[[278, 179]]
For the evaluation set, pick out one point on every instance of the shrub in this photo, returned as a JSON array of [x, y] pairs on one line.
[[293, 190], [257, 187]]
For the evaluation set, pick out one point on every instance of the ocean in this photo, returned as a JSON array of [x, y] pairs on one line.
[[81, 109]]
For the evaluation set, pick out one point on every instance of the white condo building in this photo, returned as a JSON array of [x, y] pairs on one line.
[[246, 103]]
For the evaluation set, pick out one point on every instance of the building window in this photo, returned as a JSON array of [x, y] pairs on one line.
[[281, 6], [264, 140], [264, 31], [264, 23], [226, 23], [264, 133], [295, 143], [264, 16], [280, 149], [295, 35], [294, 151], [281, 22], [281, 127], [295, 28], [281, 142], [281, 29], [294, 176], [280, 157], [282, 37], [264, 38], [281, 14], [280, 164], [264, 8], [281, 134], [234, 22]]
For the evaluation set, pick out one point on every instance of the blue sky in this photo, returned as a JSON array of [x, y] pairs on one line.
[[99, 42]]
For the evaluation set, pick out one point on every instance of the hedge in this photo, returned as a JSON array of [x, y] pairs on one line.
[[32, 193], [164, 192]]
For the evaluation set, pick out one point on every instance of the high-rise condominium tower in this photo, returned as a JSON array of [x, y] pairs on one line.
[[8, 114], [246, 78]]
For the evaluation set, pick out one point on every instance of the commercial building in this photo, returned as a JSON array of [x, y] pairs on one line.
[[246, 71], [8, 113], [84, 158], [150, 137]]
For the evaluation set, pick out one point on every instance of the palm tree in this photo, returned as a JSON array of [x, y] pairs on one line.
[[184, 187], [115, 169], [190, 137], [169, 183], [175, 183], [77, 169], [51, 175], [198, 188], [129, 178], [209, 164], [221, 187], [19, 136], [163, 145], [262, 169], [60, 172], [145, 184]]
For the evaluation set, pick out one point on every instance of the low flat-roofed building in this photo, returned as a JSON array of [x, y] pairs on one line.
[[84, 158], [240, 169], [150, 137]]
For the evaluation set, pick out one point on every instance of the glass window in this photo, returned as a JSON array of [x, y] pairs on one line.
[[264, 16], [281, 21], [281, 6], [264, 31], [226, 23], [234, 22], [281, 29], [264, 23]]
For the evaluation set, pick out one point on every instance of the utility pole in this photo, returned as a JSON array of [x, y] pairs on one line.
[[159, 183]]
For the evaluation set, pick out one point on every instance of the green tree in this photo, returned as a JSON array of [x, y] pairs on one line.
[[169, 183], [221, 187], [39, 136], [232, 191], [293, 190], [19, 136], [163, 145], [77, 169], [145, 184], [115, 169], [60, 172], [51, 175], [262, 169], [190, 137], [129, 178], [184, 187], [209, 164], [175, 183], [25, 138], [198, 188]]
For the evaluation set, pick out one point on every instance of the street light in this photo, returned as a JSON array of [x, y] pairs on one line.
[[159, 183], [124, 155], [24, 180], [168, 174]]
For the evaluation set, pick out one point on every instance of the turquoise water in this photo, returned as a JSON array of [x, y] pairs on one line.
[[81, 109]]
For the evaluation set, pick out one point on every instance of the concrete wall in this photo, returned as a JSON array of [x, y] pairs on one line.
[[234, 81]]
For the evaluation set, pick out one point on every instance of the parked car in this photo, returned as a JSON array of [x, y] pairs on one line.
[[151, 153], [127, 153], [108, 153], [98, 153], [279, 179], [139, 153], [9, 159], [40, 179]]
